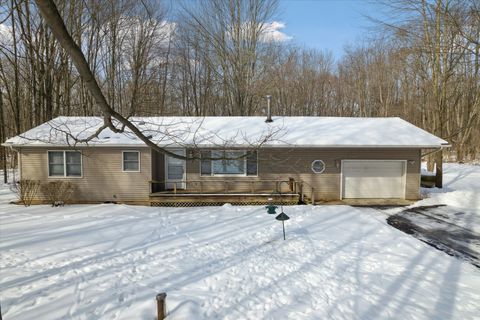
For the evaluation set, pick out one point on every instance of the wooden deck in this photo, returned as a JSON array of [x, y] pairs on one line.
[[209, 192], [187, 199]]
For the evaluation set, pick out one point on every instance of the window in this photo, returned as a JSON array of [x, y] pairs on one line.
[[205, 163], [64, 164], [131, 161], [233, 162], [318, 166]]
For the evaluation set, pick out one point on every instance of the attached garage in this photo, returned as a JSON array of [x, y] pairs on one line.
[[373, 179], [328, 158]]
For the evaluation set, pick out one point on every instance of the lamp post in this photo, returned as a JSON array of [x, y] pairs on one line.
[[282, 217], [271, 209]]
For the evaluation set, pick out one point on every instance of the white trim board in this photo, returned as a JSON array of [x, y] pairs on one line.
[[207, 146]]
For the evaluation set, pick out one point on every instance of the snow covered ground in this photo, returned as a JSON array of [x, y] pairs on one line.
[[461, 193], [447, 218], [338, 262]]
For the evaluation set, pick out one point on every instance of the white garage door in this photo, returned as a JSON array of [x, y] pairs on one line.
[[373, 179]]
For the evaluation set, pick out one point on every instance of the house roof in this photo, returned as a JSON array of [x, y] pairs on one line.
[[236, 131]]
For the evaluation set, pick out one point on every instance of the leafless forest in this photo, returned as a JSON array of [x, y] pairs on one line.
[[216, 58]]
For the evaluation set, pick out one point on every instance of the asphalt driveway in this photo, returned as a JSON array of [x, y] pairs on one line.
[[443, 227]]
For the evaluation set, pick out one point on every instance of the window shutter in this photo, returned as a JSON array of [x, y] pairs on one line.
[[205, 163], [252, 167]]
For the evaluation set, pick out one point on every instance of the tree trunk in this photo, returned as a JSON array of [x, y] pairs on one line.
[[2, 138], [439, 169], [430, 163]]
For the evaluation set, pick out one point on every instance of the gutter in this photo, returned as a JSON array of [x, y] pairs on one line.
[[431, 152], [441, 146]]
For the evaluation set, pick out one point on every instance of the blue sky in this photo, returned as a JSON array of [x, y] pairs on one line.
[[326, 24], [320, 24]]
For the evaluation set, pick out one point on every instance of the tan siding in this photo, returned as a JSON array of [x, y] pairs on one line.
[[283, 163], [103, 179], [413, 176]]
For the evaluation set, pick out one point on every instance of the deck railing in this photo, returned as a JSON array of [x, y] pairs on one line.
[[234, 186], [223, 186], [302, 187]]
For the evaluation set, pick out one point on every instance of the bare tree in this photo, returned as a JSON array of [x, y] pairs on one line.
[[127, 58], [112, 119], [231, 34], [50, 14]]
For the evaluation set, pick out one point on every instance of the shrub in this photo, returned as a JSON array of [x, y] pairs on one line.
[[57, 192], [26, 190]]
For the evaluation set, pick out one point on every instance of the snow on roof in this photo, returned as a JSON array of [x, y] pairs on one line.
[[235, 131]]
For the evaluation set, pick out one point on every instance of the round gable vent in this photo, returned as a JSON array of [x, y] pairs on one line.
[[318, 166]]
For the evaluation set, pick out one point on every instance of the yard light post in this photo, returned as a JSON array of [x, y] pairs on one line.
[[282, 217], [271, 209]]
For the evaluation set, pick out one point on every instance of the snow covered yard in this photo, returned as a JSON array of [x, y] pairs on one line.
[[448, 218], [339, 262], [461, 191]]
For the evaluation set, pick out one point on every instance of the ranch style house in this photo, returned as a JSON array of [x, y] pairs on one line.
[[229, 159]]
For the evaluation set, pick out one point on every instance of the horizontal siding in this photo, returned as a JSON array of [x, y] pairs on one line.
[[103, 179], [285, 163]]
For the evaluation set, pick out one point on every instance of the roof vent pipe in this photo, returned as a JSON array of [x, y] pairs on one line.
[[269, 110]]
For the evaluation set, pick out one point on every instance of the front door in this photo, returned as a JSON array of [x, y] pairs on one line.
[[175, 170]]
